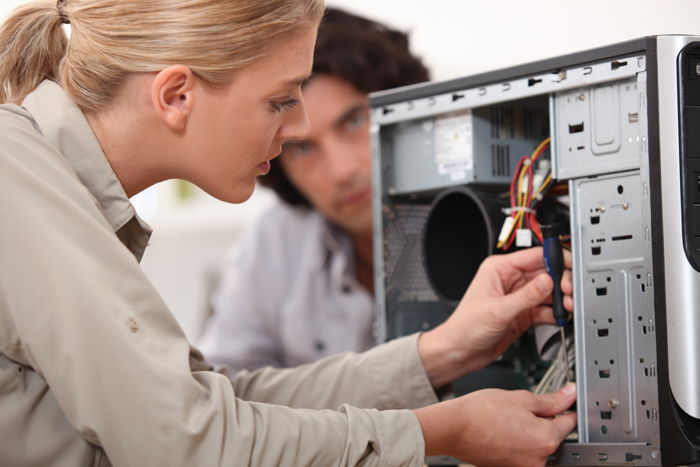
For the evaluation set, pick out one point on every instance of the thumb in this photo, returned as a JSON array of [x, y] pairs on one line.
[[549, 405], [531, 294], [564, 424]]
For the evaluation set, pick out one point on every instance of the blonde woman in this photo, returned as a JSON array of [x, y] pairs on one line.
[[94, 370]]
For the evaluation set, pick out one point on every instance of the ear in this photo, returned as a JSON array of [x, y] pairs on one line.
[[172, 95]]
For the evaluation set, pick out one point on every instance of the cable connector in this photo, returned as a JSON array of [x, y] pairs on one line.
[[506, 229], [523, 238]]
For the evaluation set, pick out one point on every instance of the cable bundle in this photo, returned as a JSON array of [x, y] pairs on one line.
[[525, 194], [556, 375]]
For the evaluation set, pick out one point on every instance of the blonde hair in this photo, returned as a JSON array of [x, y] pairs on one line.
[[113, 38]]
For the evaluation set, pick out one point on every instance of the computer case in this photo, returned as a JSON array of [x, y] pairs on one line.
[[624, 122]]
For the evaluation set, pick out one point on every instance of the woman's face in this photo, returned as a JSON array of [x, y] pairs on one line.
[[238, 128]]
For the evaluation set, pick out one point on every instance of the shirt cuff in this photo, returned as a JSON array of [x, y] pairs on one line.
[[400, 375], [398, 438]]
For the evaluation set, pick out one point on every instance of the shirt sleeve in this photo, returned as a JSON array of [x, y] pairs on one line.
[[389, 376], [88, 321]]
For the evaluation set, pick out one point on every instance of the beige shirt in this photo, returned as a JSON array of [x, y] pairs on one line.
[[94, 369]]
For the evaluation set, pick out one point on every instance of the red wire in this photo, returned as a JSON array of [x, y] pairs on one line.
[[530, 220]]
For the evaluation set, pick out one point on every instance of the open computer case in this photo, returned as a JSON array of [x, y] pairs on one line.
[[613, 141]]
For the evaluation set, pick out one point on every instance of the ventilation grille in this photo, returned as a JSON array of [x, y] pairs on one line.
[[502, 123], [518, 123], [406, 279], [535, 124], [500, 160]]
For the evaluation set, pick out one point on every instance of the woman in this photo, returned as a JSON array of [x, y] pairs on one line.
[[93, 368]]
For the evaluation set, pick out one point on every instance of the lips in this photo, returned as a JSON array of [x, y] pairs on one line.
[[264, 167], [358, 196]]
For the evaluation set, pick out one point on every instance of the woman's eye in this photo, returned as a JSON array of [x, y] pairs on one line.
[[285, 105]]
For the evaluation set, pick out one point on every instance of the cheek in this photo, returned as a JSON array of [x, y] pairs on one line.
[[304, 175], [263, 133], [251, 140], [360, 145], [321, 191]]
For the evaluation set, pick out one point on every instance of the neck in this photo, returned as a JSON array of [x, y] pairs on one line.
[[362, 246], [132, 140], [125, 158]]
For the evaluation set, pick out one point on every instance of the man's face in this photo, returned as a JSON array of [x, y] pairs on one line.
[[331, 167]]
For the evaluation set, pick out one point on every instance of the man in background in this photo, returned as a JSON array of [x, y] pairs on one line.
[[300, 284]]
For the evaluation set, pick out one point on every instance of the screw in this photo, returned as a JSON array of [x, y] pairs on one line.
[[602, 208], [655, 453], [613, 403], [625, 206], [582, 97]]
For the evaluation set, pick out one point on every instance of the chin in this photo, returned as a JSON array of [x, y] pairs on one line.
[[234, 194]]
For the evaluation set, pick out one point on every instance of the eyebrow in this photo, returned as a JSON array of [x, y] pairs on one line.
[[299, 81], [338, 121], [350, 112]]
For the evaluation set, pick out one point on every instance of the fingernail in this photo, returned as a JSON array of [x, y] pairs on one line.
[[569, 389]]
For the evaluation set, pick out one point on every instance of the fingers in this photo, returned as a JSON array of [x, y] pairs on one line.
[[549, 405], [525, 260], [567, 285], [567, 259], [531, 258], [542, 314], [530, 295], [569, 303], [564, 424]]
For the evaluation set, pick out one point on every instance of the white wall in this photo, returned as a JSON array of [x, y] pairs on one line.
[[455, 38], [463, 37], [190, 240]]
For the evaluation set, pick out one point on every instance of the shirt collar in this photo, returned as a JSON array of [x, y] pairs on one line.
[[337, 253], [65, 127]]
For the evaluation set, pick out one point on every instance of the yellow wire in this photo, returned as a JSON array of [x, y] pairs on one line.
[[543, 186], [521, 198], [540, 146]]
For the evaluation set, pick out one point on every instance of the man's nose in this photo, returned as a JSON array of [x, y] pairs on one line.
[[343, 159]]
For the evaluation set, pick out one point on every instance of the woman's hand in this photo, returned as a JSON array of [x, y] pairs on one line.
[[493, 427], [509, 293]]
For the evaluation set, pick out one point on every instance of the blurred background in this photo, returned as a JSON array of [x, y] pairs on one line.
[[456, 38]]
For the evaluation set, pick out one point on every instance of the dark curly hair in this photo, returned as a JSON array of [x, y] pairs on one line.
[[366, 54]]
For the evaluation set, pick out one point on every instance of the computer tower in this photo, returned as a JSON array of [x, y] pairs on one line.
[[624, 128]]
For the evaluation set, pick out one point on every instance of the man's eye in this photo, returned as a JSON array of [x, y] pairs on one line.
[[296, 149], [356, 121], [285, 105]]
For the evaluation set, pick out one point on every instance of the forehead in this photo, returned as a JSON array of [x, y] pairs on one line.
[[328, 99], [286, 62], [321, 87]]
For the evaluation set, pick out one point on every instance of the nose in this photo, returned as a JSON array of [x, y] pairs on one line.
[[343, 157], [297, 125]]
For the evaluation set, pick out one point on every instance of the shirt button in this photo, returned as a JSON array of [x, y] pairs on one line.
[[346, 288], [320, 346], [133, 325]]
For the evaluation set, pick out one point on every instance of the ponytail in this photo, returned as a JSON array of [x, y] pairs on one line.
[[214, 38], [32, 45]]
